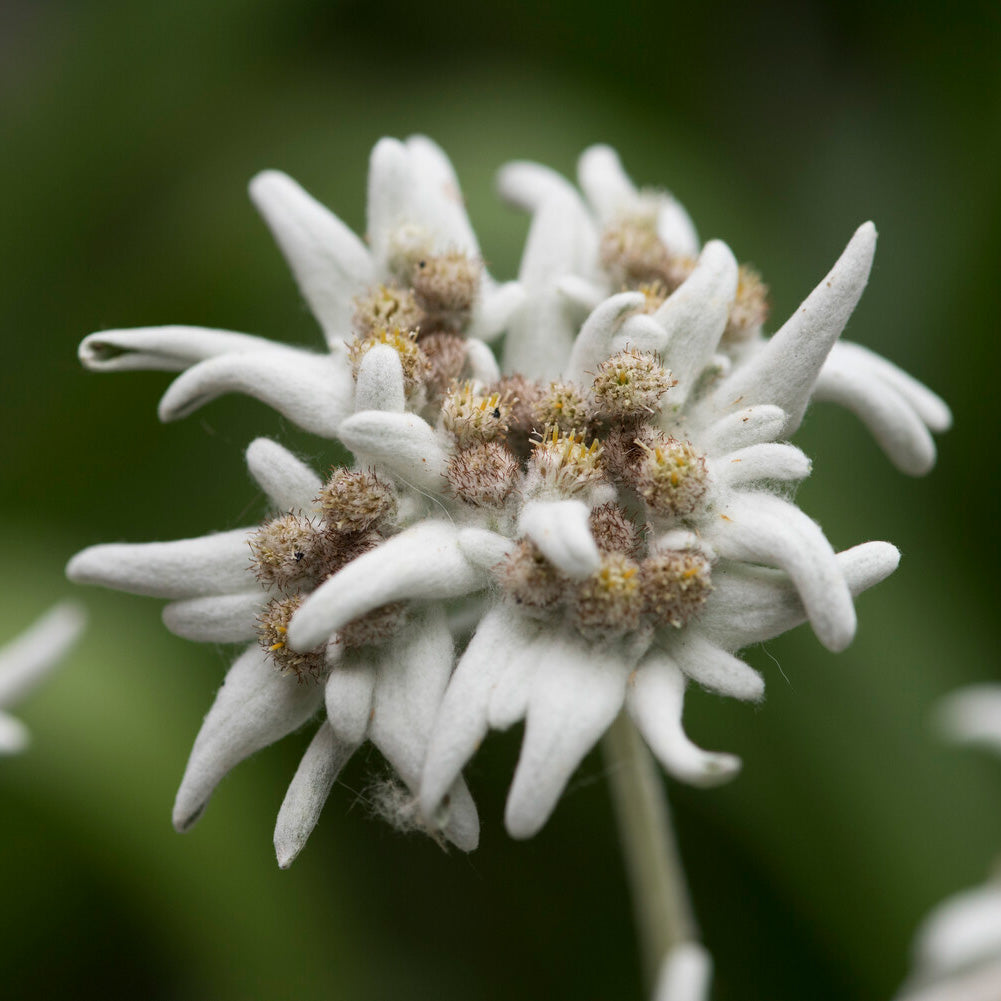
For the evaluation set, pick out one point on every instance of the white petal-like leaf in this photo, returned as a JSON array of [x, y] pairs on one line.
[[331, 265], [424, 562], [255, 707], [655, 701], [165, 349], [314, 391], [187, 568], [289, 483], [308, 791], [571, 705], [562, 531]]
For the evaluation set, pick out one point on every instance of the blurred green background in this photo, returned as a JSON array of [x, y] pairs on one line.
[[129, 132]]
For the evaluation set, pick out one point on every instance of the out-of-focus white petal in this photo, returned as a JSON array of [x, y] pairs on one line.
[[438, 204], [694, 316], [767, 461], [380, 381], [308, 791], [972, 715], [481, 362], [390, 195], [527, 185], [605, 184], [330, 264], [14, 735], [675, 227], [187, 568], [289, 483], [424, 562], [594, 342], [760, 528], [982, 983], [783, 372], [348, 695], [494, 309], [218, 618], [164, 349], [849, 379], [655, 701], [714, 668], [401, 442], [414, 667], [25, 660], [571, 704], [255, 707], [963, 930], [685, 974], [750, 426], [314, 391], [461, 724], [560, 242], [752, 604], [561, 529]]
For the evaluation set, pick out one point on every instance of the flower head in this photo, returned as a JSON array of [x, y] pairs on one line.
[[607, 497]]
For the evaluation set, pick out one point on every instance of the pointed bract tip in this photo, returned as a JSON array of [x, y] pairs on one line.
[[184, 817]]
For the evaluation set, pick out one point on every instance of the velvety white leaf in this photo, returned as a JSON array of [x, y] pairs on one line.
[[256, 706], [187, 568]]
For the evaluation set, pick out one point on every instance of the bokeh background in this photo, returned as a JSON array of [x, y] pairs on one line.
[[128, 134]]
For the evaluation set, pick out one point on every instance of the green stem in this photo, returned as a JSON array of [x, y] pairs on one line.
[[663, 911]]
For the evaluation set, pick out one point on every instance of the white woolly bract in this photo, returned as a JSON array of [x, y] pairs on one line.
[[561, 530], [424, 562], [187, 568], [255, 707], [288, 482]]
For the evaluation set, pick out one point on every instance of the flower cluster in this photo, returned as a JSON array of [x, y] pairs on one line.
[[592, 524]]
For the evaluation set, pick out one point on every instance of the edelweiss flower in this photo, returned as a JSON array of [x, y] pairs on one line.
[[604, 517], [26, 660], [957, 950]]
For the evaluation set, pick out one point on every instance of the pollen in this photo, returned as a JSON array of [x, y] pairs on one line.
[[675, 586], [356, 502], [386, 306], [470, 417], [630, 385], [564, 463], [416, 367], [608, 603], [272, 629], [561, 405], [671, 477]]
